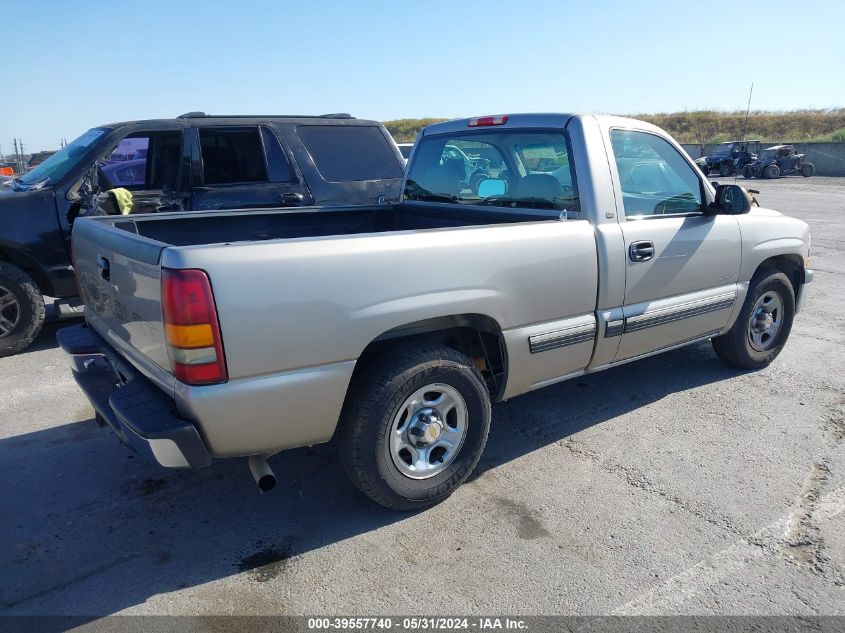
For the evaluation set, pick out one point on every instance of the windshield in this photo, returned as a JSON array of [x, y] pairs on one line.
[[527, 169], [723, 148], [54, 168]]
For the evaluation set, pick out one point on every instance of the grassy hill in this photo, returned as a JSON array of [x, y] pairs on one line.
[[710, 126]]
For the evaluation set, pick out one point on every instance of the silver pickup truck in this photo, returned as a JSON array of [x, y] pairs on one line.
[[526, 250]]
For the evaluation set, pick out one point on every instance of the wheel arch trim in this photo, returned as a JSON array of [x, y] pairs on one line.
[[18, 255], [444, 325]]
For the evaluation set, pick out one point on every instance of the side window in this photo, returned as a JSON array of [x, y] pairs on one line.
[[277, 162], [126, 165], [654, 177], [143, 161], [232, 155], [350, 152]]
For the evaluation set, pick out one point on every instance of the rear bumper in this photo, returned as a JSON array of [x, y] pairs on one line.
[[137, 411], [802, 289]]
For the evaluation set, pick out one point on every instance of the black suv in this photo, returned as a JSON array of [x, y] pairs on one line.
[[194, 162]]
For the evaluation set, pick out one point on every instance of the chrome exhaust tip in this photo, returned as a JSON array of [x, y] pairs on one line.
[[261, 473]]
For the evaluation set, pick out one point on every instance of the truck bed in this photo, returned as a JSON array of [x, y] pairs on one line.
[[301, 293], [190, 229]]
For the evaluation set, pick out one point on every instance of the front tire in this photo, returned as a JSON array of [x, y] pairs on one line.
[[414, 425], [762, 328], [21, 310], [808, 169], [724, 170]]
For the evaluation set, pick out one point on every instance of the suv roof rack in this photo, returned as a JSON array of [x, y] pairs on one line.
[[199, 115]]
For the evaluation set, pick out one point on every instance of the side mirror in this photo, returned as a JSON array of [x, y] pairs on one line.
[[489, 187], [730, 200]]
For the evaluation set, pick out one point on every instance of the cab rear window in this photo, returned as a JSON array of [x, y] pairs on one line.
[[350, 152], [508, 168]]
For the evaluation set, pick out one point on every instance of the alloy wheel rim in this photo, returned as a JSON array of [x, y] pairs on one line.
[[10, 311], [766, 321], [428, 431]]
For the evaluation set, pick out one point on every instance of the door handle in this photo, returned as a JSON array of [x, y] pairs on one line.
[[103, 268], [641, 251], [292, 198]]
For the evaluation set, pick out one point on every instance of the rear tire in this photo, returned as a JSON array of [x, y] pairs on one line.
[[724, 170], [746, 172], [771, 171], [762, 328], [808, 169], [21, 310], [392, 394]]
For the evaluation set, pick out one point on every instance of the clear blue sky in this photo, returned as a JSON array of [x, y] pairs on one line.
[[68, 66]]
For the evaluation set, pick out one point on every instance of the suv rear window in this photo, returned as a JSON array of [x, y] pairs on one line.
[[232, 155], [350, 152]]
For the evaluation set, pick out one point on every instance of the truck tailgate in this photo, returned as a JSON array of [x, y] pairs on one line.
[[119, 276]]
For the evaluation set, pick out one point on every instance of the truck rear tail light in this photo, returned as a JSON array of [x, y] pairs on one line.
[[486, 121], [194, 344]]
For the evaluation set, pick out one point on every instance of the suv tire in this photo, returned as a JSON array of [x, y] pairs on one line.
[[21, 310]]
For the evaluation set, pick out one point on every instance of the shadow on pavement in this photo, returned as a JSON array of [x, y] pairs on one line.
[[47, 337], [90, 529]]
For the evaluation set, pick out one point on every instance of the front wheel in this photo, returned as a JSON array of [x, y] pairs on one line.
[[760, 331], [21, 310], [808, 169], [725, 170], [414, 425]]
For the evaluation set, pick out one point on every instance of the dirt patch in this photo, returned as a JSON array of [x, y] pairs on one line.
[[802, 542], [266, 564], [149, 486], [526, 521], [835, 423]]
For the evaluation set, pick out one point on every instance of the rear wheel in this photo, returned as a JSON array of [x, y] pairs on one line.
[[414, 425], [724, 170], [808, 169], [771, 171], [746, 172], [21, 310], [705, 169], [760, 331]]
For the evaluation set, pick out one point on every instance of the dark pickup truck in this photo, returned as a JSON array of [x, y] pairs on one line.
[[196, 162]]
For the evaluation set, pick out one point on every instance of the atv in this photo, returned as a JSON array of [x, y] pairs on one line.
[[729, 158], [776, 161]]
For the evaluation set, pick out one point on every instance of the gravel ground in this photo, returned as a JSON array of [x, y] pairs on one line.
[[670, 485]]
